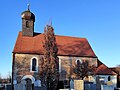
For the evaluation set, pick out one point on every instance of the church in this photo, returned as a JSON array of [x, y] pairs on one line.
[[28, 51]]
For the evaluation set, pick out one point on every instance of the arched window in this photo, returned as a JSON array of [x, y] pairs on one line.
[[109, 78], [34, 63], [78, 61], [27, 24]]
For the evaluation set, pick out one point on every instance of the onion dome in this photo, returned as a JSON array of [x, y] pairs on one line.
[[28, 15]]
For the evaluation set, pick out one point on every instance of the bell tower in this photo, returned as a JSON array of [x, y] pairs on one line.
[[28, 19]]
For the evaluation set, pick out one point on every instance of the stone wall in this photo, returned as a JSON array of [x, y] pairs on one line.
[[22, 66], [67, 63]]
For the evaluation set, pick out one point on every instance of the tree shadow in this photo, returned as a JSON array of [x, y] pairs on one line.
[[77, 48]]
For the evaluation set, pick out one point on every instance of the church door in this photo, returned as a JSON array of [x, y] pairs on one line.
[[28, 84]]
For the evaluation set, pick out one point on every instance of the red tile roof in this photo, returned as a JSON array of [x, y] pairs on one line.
[[104, 70], [70, 46], [116, 69]]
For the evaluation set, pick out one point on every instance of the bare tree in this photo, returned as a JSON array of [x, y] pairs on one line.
[[49, 64], [83, 69], [9, 77]]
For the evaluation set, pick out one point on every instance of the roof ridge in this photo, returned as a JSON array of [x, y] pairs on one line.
[[61, 35], [70, 36]]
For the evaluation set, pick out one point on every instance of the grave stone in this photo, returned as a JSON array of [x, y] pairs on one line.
[[78, 84], [37, 83], [71, 84], [23, 83], [109, 83]]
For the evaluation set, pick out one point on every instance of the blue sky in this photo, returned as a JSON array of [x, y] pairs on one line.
[[96, 20]]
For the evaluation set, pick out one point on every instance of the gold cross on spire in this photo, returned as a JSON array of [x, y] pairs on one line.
[[28, 7]]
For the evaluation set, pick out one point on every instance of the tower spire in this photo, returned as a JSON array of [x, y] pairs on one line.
[[28, 19]]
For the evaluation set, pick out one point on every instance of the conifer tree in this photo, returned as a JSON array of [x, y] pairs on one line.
[[50, 60]]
